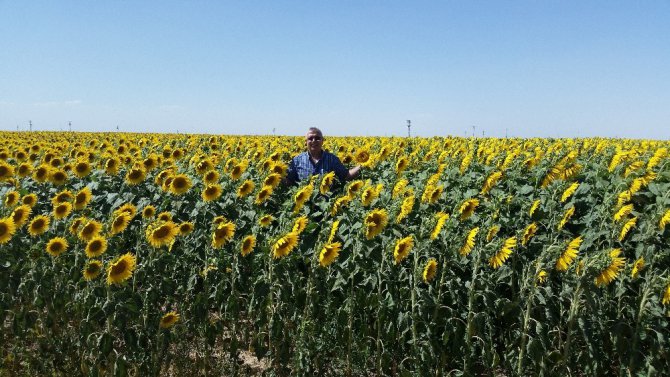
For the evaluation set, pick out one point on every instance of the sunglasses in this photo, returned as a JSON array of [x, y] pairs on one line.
[[314, 138]]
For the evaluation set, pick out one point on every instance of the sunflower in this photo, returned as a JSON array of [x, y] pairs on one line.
[[82, 169], [82, 198], [612, 270], [90, 229], [638, 266], [62, 210], [279, 168], [112, 166], [92, 269], [402, 248], [326, 182], [248, 244], [120, 223], [399, 188], [56, 246], [58, 177], [340, 203], [569, 254], [666, 296], [627, 227], [128, 208], [211, 192], [161, 233], [180, 184], [369, 194], [24, 170], [12, 198], [264, 194], [467, 208], [401, 164], [405, 208], [299, 225], [469, 242], [223, 233], [430, 270], [62, 197], [528, 233], [39, 225], [441, 220], [569, 191], [6, 171], [76, 224], [135, 176], [236, 171], [498, 259], [541, 277], [42, 173], [431, 194], [211, 177], [168, 320], [362, 156], [302, 196], [121, 269], [354, 187], [490, 181], [96, 247], [284, 245], [29, 200], [265, 220], [21, 214], [272, 180], [165, 216], [245, 188], [7, 229], [148, 212], [333, 231], [374, 222], [329, 253]]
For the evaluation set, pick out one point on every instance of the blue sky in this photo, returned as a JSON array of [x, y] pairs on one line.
[[525, 68]]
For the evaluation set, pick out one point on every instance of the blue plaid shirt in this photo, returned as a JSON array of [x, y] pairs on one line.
[[302, 167]]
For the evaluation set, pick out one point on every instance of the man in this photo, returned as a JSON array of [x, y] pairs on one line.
[[317, 161]]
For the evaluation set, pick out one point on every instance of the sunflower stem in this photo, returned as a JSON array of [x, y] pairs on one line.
[[350, 322], [574, 308], [470, 323], [380, 360], [526, 319]]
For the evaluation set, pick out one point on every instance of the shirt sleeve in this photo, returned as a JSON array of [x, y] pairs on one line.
[[340, 170], [292, 172]]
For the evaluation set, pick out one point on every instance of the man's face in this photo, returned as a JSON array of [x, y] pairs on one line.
[[314, 142]]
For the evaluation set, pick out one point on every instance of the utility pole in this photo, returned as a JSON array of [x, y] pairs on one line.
[[505, 132], [69, 125], [409, 126], [273, 131], [30, 125], [473, 131]]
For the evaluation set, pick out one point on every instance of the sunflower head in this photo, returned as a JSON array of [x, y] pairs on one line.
[[180, 184], [211, 177], [39, 225], [168, 320], [89, 229], [82, 198], [284, 245], [329, 253], [265, 220], [29, 200], [245, 188], [58, 177], [299, 225], [430, 270], [92, 269], [264, 194], [62, 197], [162, 233], [135, 176], [148, 212], [223, 233], [42, 173], [128, 208], [186, 228], [402, 248], [12, 198], [211, 192], [120, 223], [82, 168], [56, 246], [121, 269], [248, 244], [96, 247], [62, 210], [375, 221], [7, 229]]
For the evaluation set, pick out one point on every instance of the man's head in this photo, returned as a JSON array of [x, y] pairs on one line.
[[314, 140]]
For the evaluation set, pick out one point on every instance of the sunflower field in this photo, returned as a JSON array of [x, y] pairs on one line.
[[141, 254]]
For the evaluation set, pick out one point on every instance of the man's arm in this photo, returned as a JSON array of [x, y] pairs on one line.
[[354, 172]]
